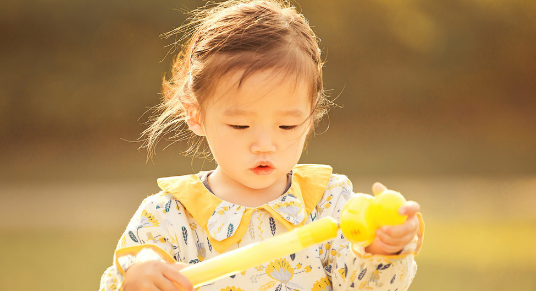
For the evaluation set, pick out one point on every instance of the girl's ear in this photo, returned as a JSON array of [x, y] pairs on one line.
[[193, 119]]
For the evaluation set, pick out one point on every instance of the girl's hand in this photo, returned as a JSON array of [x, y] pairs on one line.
[[390, 240], [155, 275]]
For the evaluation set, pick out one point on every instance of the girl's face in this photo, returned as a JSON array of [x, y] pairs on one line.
[[257, 131]]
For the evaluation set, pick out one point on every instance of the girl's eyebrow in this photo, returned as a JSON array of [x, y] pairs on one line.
[[292, 112], [236, 112], [288, 112]]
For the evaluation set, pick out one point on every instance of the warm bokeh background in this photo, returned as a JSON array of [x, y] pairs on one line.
[[438, 101]]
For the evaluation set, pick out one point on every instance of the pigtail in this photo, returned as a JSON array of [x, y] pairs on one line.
[[169, 116]]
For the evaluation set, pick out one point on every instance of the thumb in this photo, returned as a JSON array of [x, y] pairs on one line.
[[410, 208], [177, 266], [378, 188]]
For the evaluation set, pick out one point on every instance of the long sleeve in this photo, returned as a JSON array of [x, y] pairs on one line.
[[189, 231], [348, 266], [146, 237]]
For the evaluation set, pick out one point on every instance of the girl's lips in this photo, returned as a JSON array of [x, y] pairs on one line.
[[263, 168], [260, 170]]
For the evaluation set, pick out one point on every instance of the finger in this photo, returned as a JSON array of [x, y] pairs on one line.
[[172, 274], [410, 208], [378, 188], [388, 248], [399, 242], [145, 286], [410, 226], [165, 284], [177, 266]]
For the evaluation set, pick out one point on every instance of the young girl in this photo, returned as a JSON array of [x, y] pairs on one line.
[[249, 81]]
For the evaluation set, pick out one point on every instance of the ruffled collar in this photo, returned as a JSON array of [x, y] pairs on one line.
[[226, 223]]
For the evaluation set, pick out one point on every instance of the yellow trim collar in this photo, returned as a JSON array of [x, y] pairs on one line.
[[308, 185]]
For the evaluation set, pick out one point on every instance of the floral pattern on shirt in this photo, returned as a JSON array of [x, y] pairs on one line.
[[289, 207], [168, 230], [225, 220]]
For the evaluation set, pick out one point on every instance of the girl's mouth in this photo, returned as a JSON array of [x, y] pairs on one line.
[[263, 169]]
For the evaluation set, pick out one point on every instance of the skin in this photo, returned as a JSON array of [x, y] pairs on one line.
[[235, 150], [390, 240], [264, 121], [156, 276]]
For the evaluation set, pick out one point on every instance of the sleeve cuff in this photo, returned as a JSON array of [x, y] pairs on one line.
[[126, 257]]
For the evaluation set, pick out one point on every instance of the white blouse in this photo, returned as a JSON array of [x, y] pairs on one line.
[[185, 222]]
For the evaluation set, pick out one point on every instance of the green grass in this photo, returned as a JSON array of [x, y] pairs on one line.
[[55, 259], [469, 256], [477, 256]]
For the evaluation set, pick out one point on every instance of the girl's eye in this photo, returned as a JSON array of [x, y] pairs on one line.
[[240, 127], [288, 127]]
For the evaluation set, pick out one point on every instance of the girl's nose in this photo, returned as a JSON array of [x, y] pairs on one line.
[[264, 143]]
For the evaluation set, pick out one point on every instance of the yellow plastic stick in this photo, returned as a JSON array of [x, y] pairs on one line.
[[360, 218], [255, 254]]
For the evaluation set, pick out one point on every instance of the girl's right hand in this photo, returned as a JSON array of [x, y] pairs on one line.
[[156, 276]]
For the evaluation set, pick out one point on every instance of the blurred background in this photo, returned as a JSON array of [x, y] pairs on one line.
[[437, 100]]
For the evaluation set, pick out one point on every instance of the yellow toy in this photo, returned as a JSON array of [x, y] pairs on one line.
[[364, 214], [360, 218]]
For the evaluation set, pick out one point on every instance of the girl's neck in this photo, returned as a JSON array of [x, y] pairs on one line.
[[232, 191]]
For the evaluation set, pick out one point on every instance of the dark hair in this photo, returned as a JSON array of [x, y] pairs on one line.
[[251, 35]]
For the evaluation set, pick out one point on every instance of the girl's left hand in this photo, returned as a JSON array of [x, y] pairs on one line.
[[390, 240]]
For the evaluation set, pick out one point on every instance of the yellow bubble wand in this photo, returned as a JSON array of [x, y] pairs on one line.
[[360, 218]]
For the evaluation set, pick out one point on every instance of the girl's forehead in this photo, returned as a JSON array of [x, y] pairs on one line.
[[263, 79], [235, 90]]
